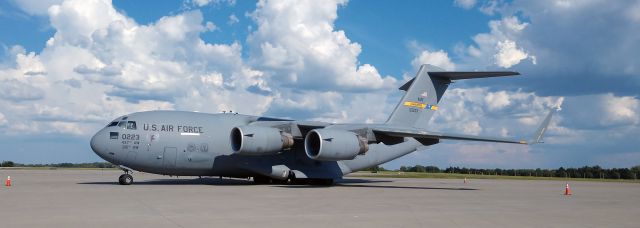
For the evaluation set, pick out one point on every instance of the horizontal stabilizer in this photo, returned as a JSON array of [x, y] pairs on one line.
[[459, 75]]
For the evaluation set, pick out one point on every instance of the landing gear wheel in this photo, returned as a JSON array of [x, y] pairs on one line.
[[125, 179]]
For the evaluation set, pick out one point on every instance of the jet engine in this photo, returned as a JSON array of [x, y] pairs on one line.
[[256, 140], [334, 145]]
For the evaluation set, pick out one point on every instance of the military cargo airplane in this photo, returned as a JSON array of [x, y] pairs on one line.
[[271, 150]]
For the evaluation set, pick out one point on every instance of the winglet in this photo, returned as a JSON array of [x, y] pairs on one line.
[[537, 137]]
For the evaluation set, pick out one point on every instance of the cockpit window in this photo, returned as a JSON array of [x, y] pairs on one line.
[[125, 118], [112, 124], [122, 124], [131, 125]]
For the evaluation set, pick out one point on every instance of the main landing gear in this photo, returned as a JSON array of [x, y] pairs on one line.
[[126, 178]]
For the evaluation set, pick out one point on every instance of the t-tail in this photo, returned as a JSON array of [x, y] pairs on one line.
[[412, 114], [423, 93]]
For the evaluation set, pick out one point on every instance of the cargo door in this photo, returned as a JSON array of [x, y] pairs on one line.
[[169, 157]]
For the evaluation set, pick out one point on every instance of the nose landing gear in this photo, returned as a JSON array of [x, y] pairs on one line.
[[126, 178]]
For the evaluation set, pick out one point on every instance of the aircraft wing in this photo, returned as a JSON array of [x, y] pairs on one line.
[[418, 133]]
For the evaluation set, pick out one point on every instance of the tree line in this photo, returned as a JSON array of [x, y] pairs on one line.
[[595, 172]]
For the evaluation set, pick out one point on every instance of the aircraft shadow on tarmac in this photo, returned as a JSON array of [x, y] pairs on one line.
[[350, 183], [196, 181], [364, 183], [216, 181], [404, 187]]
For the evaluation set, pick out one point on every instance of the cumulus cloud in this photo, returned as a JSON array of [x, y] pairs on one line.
[[15, 90], [211, 26], [125, 67], [498, 45], [121, 66], [605, 111], [553, 44], [201, 3], [490, 7], [233, 19], [297, 43], [438, 58], [479, 110], [3, 120], [509, 54], [297, 46], [465, 4], [497, 100], [36, 7]]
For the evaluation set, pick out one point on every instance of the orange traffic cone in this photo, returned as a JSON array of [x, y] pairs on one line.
[[8, 182], [567, 190]]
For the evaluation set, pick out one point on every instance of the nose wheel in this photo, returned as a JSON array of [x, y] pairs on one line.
[[125, 179]]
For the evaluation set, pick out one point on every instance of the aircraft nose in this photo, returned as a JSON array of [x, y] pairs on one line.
[[98, 143]]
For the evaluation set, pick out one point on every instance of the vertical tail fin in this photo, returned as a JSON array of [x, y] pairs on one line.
[[424, 92], [420, 101]]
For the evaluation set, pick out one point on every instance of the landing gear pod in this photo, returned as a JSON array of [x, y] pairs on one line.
[[255, 140], [334, 145]]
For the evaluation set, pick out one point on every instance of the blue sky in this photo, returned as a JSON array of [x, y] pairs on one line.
[[68, 67]]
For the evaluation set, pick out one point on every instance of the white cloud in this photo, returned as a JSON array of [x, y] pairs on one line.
[[623, 110], [121, 66], [438, 58], [296, 42], [561, 46], [490, 7], [498, 45], [472, 128], [465, 4], [3, 120], [30, 64], [508, 54], [211, 26], [602, 112], [15, 90], [201, 2], [36, 7], [497, 100], [233, 19], [480, 111]]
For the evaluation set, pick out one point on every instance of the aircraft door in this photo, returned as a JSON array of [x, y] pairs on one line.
[[169, 157]]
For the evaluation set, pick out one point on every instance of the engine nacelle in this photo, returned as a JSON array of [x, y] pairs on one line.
[[334, 145], [256, 140]]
